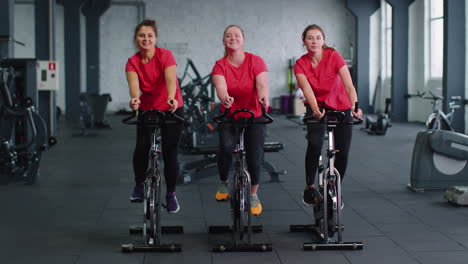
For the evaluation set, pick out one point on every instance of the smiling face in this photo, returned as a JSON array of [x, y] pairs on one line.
[[233, 38], [314, 40], [145, 38]]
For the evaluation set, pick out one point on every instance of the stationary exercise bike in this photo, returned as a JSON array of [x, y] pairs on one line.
[[152, 204], [328, 212], [438, 119], [240, 189]]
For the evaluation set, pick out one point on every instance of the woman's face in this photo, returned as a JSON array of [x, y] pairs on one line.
[[146, 38], [314, 40], [233, 39]]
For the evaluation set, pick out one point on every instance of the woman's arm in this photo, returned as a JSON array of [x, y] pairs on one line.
[[350, 89], [309, 94], [220, 85], [261, 83], [134, 87], [170, 75]]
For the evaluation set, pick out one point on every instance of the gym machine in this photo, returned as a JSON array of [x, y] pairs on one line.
[[440, 160]]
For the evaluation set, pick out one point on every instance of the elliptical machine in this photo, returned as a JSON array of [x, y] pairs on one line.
[[23, 133]]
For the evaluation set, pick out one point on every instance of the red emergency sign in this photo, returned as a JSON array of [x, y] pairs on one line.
[[52, 66]]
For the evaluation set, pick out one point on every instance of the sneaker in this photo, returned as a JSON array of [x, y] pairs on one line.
[[172, 205], [223, 192], [255, 205], [311, 197], [138, 193]]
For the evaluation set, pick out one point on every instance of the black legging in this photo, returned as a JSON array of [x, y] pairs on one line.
[[254, 139], [170, 137], [315, 134]]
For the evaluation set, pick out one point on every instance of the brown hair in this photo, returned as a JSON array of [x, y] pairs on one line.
[[224, 33], [148, 23], [315, 27]]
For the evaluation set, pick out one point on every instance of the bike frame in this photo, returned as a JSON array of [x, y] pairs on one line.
[[331, 178], [240, 193], [152, 198]]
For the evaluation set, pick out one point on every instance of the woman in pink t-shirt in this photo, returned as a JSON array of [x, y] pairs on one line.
[[152, 80], [326, 82], [241, 81]]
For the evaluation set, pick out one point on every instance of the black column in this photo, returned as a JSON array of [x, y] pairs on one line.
[[93, 10], [41, 19], [362, 9], [400, 29], [72, 59], [454, 58], [6, 28]]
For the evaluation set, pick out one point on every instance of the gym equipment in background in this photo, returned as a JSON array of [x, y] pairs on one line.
[[440, 160], [378, 125], [457, 195], [438, 119], [24, 134]]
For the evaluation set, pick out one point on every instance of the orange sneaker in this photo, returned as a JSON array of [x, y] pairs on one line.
[[223, 192], [255, 205]]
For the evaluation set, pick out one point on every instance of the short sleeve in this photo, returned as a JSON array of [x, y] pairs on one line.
[[168, 59], [298, 69], [259, 65], [129, 67], [217, 69], [338, 60]]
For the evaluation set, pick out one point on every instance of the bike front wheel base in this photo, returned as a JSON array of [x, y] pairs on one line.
[[128, 248], [334, 246], [243, 248]]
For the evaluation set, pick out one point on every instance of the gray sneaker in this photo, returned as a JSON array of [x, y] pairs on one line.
[[255, 205]]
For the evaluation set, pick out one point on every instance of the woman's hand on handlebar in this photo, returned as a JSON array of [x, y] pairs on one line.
[[357, 114], [134, 103], [173, 104], [317, 114], [227, 101], [264, 101]]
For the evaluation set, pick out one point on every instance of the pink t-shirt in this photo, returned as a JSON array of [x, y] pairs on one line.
[[325, 79], [241, 82], [151, 79]]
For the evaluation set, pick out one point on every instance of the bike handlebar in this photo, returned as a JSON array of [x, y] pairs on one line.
[[432, 96], [337, 118], [152, 117], [225, 118]]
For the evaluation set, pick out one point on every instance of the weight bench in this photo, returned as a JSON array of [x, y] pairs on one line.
[[209, 151]]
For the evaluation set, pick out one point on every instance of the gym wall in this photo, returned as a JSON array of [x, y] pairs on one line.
[[25, 33], [193, 29]]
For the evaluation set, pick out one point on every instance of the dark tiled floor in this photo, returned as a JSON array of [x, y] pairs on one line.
[[79, 211]]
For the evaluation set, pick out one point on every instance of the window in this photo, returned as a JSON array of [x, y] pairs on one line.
[[436, 38], [387, 40]]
